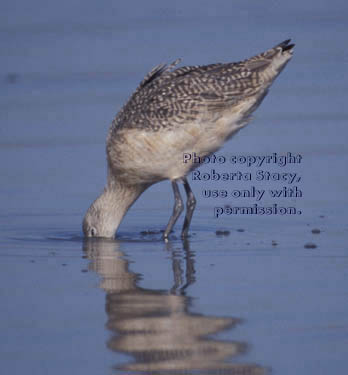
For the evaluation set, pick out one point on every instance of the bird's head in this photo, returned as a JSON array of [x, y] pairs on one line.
[[106, 213], [101, 220]]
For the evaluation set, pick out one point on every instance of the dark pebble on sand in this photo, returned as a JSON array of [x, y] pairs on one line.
[[310, 245], [150, 232], [222, 232], [315, 231], [11, 78]]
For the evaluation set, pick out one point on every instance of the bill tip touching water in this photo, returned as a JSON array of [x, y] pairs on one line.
[[173, 112]]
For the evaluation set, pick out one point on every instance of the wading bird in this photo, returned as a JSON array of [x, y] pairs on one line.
[[173, 112]]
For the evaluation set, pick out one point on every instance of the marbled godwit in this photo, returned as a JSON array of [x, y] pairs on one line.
[[173, 112]]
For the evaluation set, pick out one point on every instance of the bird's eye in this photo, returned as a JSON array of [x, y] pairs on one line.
[[93, 232]]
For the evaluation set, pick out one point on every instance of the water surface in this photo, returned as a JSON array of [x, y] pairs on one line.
[[246, 294]]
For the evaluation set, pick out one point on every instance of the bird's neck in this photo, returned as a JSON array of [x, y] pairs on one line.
[[116, 200]]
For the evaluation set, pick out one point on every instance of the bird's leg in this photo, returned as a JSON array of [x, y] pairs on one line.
[[177, 210], [190, 207]]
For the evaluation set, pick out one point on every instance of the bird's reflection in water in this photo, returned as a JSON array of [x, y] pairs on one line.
[[156, 327]]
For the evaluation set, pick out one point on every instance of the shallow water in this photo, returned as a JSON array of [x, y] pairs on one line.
[[245, 294]]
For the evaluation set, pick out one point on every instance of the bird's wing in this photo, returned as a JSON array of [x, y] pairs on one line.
[[166, 97]]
